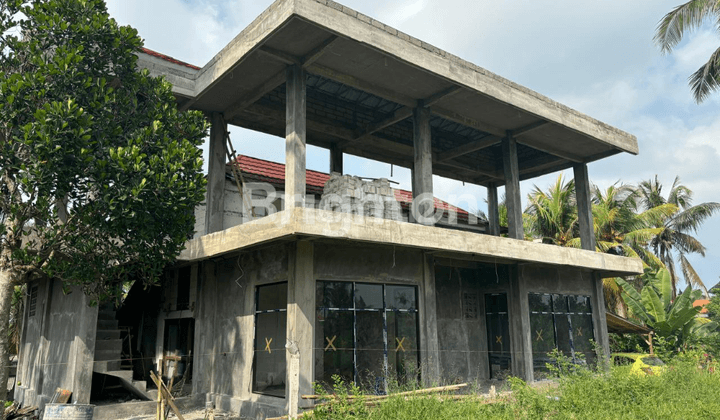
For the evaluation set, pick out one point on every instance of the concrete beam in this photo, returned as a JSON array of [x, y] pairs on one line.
[[215, 201], [281, 56], [466, 148], [584, 203], [513, 200], [528, 128], [319, 51], [295, 141], [439, 96], [336, 159], [252, 97], [553, 151], [472, 123], [493, 210], [422, 173], [326, 224]]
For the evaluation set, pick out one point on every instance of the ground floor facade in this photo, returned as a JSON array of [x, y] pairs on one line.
[[251, 317]]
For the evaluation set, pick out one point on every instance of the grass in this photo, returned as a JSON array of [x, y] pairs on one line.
[[683, 392]]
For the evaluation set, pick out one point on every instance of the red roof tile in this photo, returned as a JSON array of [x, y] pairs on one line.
[[261, 170], [701, 303], [168, 58]]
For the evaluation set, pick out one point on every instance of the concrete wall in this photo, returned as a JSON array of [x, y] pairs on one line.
[[224, 328], [58, 345]]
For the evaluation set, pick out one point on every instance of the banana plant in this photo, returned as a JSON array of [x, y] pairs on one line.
[[653, 305]]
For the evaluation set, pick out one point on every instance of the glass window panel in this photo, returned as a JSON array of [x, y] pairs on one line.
[[273, 296], [368, 296], [334, 345], [331, 294], [495, 303], [269, 372], [403, 345], [539, 302], [543, 341], [370, 350], [562, 328], [498, 335], [560, 303], [582, 330], [400, 297], [579, 304]]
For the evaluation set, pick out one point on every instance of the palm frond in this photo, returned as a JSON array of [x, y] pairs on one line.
[[691, 218], [685, 17], [691, 276], [687, 244], [680, 195], [707, 78]]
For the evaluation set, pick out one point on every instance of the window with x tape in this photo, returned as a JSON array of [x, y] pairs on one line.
[[270, 331], [563, 322], [364, 330]]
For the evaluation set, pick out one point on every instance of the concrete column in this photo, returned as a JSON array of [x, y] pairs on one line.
[[584, 203], [216, 176], [429, 351], [422, 169], [336, 159], [493, 210], [512, 188], [295, 133], [597, 300], [519, 314], [300, 323]]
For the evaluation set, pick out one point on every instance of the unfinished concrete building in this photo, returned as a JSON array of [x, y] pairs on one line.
[[266, 300]]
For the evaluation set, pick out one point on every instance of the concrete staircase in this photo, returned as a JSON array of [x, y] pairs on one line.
[[108, 352]]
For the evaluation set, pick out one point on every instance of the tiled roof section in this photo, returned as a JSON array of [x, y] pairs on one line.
[[260, 170], [701, 303], [168, 58]]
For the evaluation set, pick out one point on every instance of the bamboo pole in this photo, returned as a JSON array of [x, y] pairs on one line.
[[399, 394]]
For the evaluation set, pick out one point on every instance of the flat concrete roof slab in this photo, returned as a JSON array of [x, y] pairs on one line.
[[348, 51], [302, 222]]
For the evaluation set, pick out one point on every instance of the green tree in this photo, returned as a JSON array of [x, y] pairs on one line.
[[674, 240], [552, 214], [672, 319], [99, 172], [685, 18]]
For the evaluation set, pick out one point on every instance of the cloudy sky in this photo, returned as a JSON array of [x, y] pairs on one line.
[[594, 56]]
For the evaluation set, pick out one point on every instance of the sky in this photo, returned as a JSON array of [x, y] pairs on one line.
[[594, 56]]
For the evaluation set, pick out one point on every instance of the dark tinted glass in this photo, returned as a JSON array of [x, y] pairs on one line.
[[331, 294], [400, 297], [273, 296], [559, 303], [368, 296], [539, 302], [495, 303], [269, 372], [579, 304]]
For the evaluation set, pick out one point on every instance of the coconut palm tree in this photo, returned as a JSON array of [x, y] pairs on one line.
[[674, 241], [552, 214], [684, 18]]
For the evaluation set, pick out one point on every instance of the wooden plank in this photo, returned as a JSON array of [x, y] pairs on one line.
[[166, 395]]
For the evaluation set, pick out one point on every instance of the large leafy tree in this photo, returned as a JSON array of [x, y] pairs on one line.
[[99, 172], [678, 22], [674, 240]]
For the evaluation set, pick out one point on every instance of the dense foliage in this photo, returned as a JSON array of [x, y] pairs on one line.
[[99, 172]]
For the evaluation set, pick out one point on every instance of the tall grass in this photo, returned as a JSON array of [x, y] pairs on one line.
[[684, 391]]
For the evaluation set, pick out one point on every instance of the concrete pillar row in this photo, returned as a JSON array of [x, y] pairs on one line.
[[215, 200], [423, 205], [295, 137], [513, 200], [584, 203], [493, 210], [336, 159]]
